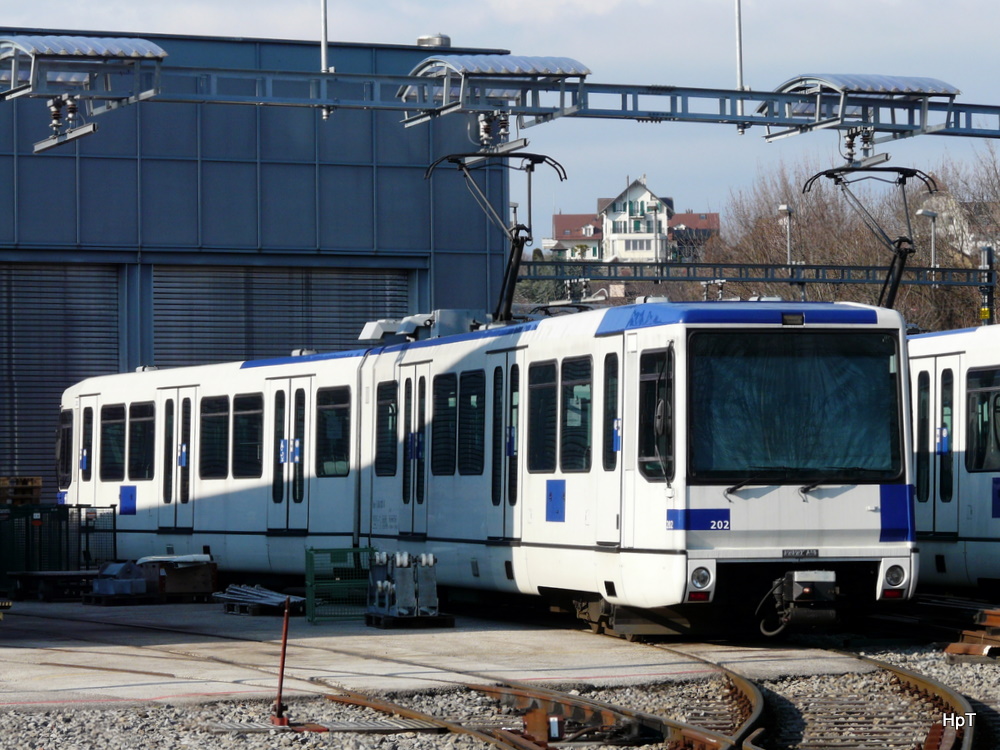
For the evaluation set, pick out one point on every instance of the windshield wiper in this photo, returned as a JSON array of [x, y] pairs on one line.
[[813, 485], [758, 473], [845, 478]]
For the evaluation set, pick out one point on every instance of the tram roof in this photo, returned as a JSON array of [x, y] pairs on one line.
[[620, 319]]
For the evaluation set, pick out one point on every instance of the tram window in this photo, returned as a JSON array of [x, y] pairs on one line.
[[497, 437], [213, 462], [333, 432], [64, 449], [655, 422], [184, 471], [443, 424], [923, 436], [983, 421], [277, 452], [141, 441], [421, 464], [168, 451], [248, 436], [386, 428], [946, 476], [87, 445], [299, 440], [575, 415], [542, 417], [112, 443], [513, 425], [609, 428], [471, 422]]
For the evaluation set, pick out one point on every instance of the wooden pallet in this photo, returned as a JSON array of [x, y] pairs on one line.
[[20, 490], [386, 622], [978, 645]]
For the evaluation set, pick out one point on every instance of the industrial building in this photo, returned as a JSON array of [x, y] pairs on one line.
[[185, 233]]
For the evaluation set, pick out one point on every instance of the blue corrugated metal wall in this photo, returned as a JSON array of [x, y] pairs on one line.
[[167, 191]]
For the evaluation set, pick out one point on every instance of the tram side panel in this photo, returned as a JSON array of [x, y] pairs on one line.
[[956, 416], [438, 464]]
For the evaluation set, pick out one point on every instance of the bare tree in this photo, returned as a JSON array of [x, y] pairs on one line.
[[826, 230]]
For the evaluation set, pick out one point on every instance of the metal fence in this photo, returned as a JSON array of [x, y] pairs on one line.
[[55, 537], [337, 583]]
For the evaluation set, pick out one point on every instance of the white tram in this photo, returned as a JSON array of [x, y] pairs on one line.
[[692, 461], [955, 382]]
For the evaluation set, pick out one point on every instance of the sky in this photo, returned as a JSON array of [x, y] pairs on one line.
[[690, 43]]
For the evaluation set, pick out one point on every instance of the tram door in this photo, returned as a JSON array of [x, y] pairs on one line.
[[607, 441], [937, 425], [290, 407], [415, 401], [175, 407], [504, 379]]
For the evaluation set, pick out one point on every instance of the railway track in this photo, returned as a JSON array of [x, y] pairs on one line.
[[877, 707]]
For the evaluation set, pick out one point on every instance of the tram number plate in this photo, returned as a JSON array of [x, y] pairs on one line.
[[698, 519], [800, 553]]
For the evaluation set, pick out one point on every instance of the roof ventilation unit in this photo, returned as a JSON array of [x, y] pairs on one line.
[[434, 40]]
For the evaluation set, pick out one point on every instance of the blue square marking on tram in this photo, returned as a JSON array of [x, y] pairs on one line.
[[555, 500], [126, 499], [896, 502], [996, 497]]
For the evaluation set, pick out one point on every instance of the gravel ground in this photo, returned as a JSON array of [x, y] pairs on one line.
[[167, 727]]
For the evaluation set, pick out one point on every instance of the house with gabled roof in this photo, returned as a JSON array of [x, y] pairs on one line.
[[635, 224], [577, 236]]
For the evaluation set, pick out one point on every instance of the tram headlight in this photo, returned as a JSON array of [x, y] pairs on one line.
[[895, 575], [701, 577]]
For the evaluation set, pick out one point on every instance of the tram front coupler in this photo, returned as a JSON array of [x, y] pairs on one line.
[[800, 598]]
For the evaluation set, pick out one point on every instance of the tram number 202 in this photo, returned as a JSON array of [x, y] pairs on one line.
[[695, 522]]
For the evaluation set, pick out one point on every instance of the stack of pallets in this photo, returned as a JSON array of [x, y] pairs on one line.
[[20, 490]]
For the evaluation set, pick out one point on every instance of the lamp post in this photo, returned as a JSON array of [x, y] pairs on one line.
[[786, 209], [932, 215]]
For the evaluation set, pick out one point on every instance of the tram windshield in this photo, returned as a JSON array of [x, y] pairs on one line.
[[784, 406]]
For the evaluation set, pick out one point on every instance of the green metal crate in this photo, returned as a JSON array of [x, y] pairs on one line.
[[337, 583]]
